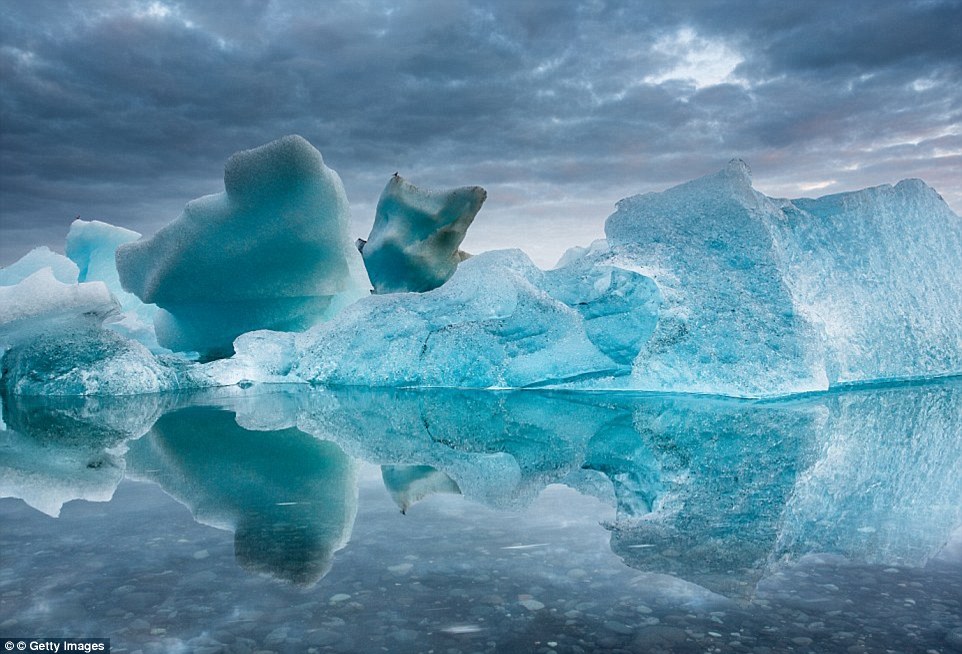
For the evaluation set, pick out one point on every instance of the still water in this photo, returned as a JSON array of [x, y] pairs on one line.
[[298, 520]]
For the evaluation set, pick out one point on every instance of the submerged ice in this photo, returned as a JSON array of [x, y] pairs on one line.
[[709, 287]]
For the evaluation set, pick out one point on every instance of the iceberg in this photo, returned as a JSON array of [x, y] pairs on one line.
[[86, 362], [878, 271], [63, 269], [414, 243], [56, 345], [41, 304], [709, 287], [765, 297], [728, 323], [490, 326], [270, 252], [92, 246]]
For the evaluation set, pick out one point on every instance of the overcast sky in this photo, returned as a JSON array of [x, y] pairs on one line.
[[124, 111]]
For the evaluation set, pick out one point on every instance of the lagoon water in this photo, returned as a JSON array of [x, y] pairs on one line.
[[304, 520]]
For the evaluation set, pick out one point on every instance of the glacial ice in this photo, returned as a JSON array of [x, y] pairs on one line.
[[878, 271], [709, 287], [92, 246], [767, 297], [56, 345], [413, 245], [41, 304], [271, 252], [728, 324], [491, 325], [63, 269]]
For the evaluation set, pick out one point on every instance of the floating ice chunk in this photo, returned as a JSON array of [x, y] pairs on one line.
[[260, 357], [85, 362], [271, 252], [40, 304], [92, 246], [728, 322], [56, 345], [879, 271], [490, 325], [63, 269], [413, 245]]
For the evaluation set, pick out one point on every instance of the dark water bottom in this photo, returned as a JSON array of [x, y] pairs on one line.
[[449, 577]]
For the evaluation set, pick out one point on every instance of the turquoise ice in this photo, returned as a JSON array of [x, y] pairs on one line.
[[270, 252], [413, 245]]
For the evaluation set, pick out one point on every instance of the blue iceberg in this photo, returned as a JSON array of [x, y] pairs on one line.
[[767, 297], [414, 243], [271, 252], [92, 246], [709, 287], [64, 270]]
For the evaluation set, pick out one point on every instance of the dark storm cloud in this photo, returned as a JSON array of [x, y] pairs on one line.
[[123, 111]]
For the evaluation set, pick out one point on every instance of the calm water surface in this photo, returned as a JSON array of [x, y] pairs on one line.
[[292, 520]]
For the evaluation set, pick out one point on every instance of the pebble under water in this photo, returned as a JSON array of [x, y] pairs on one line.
[[247, 522]]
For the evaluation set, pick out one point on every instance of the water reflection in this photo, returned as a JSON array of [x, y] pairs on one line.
[[711, 491], [290, 499]]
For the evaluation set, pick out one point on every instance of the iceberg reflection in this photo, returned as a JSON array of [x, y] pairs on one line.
[[712, 491]]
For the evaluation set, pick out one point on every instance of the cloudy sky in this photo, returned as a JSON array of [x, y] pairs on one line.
[[124, 111]]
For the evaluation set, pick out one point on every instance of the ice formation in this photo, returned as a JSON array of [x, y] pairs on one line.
[[63, 269], [40, 304], [709, 287], [56, 345], [92, 246], [768, 297], [414, 243], [271, 252], [491, 325]]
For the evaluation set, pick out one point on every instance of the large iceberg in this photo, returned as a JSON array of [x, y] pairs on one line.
[[709, 287], [414, 243], [767, 297], [271, 252]]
